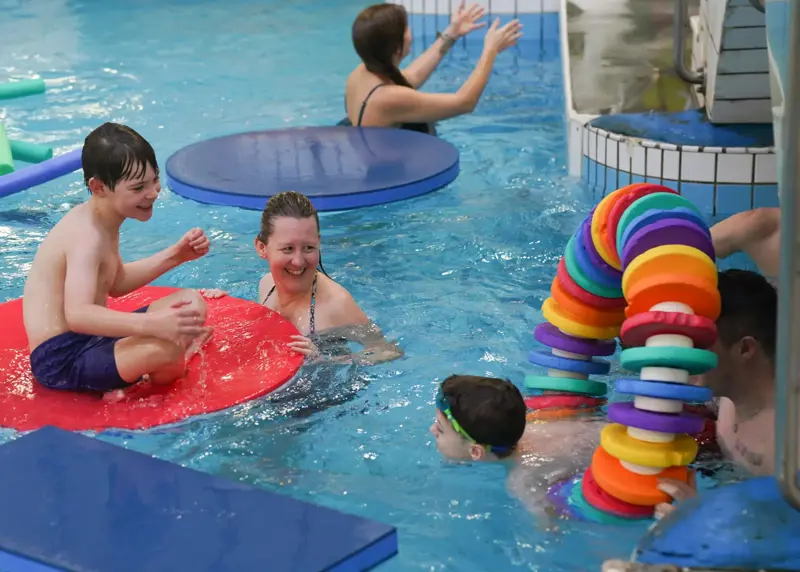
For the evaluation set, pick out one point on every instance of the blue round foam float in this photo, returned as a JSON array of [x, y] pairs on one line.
[[338, 168]]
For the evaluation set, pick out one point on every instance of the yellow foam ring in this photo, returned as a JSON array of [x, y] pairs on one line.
[[615, 440], [600, 225], [553, 313], [670, 257]]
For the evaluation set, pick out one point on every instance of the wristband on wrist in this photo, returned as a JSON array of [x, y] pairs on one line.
[[447, 42]]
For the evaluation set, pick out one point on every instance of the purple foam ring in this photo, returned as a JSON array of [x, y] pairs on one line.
[[628, 414], [558, 495], [585, 235], [667, 231], [547, 334]]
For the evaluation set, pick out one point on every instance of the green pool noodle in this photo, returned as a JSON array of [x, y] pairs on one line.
[[6, 162], [23, 88], [30, 152]]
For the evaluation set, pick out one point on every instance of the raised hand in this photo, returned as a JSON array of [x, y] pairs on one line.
[[465, 20], [499, 39], [192, 245]]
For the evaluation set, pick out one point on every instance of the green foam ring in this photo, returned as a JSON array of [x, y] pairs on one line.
[[575, 272], [586, 510], [657, 201], [23, 88], [30, 152], [693, 360], [568, 384], [6, 159]]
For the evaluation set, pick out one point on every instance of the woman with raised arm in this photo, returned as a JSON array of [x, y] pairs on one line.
[[379, 94]]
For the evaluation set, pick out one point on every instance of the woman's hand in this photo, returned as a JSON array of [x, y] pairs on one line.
[[498, 39], [465, 21], [678, 490], [303, 345]]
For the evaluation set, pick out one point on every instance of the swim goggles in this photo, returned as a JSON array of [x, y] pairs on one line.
[[443, 404]]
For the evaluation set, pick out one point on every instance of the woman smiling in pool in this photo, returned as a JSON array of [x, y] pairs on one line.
[[298, 288]]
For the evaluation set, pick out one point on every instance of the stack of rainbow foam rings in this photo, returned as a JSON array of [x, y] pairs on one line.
[[641, 267]]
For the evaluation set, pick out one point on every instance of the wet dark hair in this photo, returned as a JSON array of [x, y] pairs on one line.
[[749, 308], [378, 33], [287, 204], [114, 152], [491, 410]]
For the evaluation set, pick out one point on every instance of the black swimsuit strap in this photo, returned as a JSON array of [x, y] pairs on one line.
[[364, 103], [311, 322]]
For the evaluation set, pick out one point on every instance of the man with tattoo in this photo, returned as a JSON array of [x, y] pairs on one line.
[[744, 380]]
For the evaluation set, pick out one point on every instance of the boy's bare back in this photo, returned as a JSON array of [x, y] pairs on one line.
[[44, 294]]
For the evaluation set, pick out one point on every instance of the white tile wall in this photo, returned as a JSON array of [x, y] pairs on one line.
[[493, 6], [733, 165]]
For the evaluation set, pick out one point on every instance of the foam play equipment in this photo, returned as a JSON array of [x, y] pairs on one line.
[[337, 168], [246, 358], [640, 267], [44, 167]]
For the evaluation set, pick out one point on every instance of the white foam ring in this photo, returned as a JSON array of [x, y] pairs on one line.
[[678, 307], [669, 341], [570, 355], [641, 469], [657, 405], [650, 436], [667, 374]]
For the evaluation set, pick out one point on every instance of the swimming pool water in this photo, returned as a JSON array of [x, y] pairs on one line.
[[457, 276]]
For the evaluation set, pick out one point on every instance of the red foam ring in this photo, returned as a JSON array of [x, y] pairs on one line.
[[571, 287], [623, 203], [638, 328], [601, 500], [246, 358], [555, 401]]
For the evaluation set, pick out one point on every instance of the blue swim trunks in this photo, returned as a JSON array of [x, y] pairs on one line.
[[78, 362]]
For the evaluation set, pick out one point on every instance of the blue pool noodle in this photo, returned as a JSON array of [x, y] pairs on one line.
[[42, 173]]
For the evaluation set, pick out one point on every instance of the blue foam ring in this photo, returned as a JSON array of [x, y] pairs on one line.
[[43, 172], [654, 215], [663, 390], [585, 367], [592, 272]]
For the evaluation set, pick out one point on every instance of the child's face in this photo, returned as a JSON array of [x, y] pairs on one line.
[[133, 197], [451, 444]]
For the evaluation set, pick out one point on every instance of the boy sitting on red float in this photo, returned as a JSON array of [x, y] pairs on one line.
[[76, 342]]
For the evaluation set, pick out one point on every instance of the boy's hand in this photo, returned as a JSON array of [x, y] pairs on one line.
[[176, 323], [193, 245], [677, 490]]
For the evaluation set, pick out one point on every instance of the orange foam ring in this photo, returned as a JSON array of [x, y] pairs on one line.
[[550, 414], [581, 312], [697, 292], [600, 227], [631, 487]]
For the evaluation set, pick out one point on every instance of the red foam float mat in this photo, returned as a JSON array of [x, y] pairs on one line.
[[636, 329], [601, 500], [246, 358]]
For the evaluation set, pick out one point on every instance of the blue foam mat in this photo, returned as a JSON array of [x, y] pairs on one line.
[[689, 127], [71, 502], [742, 526], [338, 168]]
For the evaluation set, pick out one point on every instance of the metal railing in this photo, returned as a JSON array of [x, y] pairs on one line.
[[680, 25], [787, 379]]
